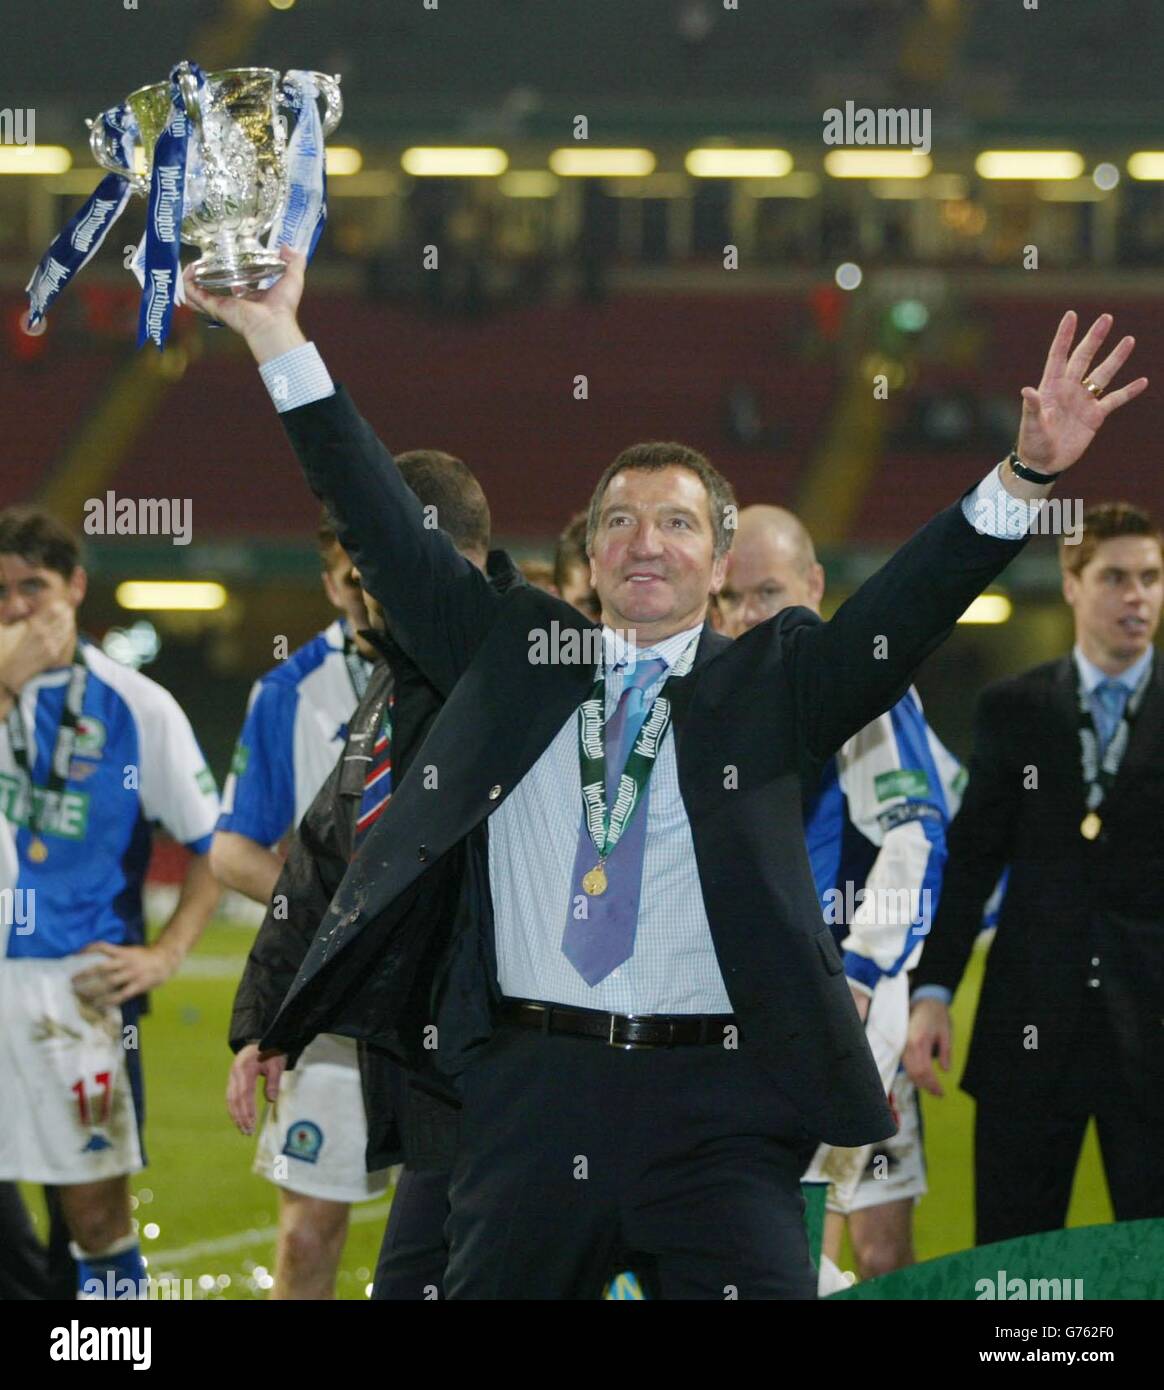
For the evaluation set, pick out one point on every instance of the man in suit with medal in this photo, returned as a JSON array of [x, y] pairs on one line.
[[1067, 787], [649, 1019]]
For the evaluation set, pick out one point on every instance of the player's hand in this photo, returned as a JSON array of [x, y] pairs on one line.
[[249, 1064], [126, 972], [930, 1033], [265, 318], [862, 1001], [1061, 417], [35, 643]]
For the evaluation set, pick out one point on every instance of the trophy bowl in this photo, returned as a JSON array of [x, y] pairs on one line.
[[236, 166]]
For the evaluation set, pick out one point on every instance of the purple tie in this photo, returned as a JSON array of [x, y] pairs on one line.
[[599, 942]]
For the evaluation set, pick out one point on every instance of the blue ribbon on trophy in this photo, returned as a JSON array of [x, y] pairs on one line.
[[81, 237], [222, 165], [163, 237], [304, 214]]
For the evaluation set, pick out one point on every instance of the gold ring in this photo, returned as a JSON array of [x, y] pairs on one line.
[[1093, 387]]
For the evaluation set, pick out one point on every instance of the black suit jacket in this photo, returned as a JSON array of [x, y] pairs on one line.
[[409, 1117], [753, 721], [1069, 902]]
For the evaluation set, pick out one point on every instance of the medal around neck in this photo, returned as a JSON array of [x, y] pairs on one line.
[[211, 154], [594, 882]]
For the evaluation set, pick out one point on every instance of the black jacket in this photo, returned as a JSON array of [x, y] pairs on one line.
[[753, 721], [1069, 901], [409, 1117]]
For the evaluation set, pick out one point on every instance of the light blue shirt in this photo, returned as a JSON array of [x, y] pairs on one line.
[[533, 835], [1091, 677]]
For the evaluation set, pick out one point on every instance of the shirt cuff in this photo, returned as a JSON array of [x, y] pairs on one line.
[[861, 972], [993, 511], [939, 992], [297, 378]]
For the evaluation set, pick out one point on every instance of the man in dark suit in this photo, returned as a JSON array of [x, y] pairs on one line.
[[1067, 787], [412, 1118], [649, 1018]]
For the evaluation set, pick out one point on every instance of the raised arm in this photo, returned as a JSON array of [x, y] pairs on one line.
[[438, 605], [847, 671]]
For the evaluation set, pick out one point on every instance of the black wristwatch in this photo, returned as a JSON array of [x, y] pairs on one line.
[[1029, 474]]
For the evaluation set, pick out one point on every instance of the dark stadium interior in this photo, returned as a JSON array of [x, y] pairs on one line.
[[569, 316]]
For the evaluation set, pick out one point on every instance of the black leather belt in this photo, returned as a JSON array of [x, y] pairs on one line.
[[620, 1030]]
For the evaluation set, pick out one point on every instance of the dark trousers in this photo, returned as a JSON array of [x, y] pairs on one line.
[[1025, 1159], [574, 1154], [27, 1269], [413, 1253]]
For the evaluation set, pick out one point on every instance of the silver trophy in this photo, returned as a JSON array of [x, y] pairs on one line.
[[236, 169]]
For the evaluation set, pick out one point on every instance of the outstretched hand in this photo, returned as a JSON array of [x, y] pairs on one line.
[[1061, 417], [265, 318]]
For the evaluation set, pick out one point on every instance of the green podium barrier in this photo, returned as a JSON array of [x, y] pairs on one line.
[[1120, 1260]]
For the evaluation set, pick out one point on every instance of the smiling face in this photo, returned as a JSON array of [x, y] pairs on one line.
[[653, 563], [1117, 598]]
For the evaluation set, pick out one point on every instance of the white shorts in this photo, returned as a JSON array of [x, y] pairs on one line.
[[70, 1079], [873, 1174], [314, 1136], [897, 1167]]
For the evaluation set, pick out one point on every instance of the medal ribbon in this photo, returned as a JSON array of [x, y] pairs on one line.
[[1099, 774], [62, 749], [605, 826], [359, 670]]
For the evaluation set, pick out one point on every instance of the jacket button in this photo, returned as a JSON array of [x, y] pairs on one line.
[[495, 791], [1093, 983], [422, 853], [1095, 960]]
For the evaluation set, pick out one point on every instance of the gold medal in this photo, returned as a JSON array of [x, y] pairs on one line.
[[1090, 826], [37, 850], [595, 881]]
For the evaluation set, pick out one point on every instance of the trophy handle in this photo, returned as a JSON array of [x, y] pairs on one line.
[[189, 89], [106, 149], [333, 103]]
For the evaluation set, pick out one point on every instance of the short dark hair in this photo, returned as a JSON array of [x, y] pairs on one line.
[[444, 482], [40, 539], [658, 455], [570, 550], [1103, 523]]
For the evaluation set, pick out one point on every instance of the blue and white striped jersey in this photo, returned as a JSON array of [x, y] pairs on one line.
[[876, 835], [295, 728], [135, 763]]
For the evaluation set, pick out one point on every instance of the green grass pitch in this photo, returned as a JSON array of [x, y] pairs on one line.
[[204, 1216]]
